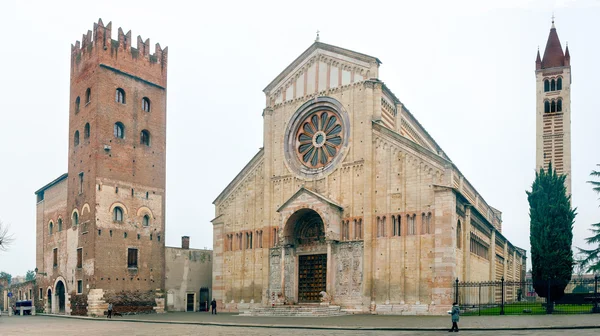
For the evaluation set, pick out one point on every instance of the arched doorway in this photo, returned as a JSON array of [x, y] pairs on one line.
[[49, 302], [305, 231], [60, 293]]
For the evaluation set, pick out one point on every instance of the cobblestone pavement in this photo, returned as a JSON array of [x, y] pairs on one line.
[[53, 326]]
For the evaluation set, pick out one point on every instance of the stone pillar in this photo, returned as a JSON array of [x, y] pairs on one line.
[[466, 244], [283, 272], [445, 271], [329, 276]]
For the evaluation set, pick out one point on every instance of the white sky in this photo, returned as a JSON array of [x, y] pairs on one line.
[[465, 69]]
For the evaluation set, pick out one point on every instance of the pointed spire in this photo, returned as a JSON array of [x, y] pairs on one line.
[[553, 54], [318, 38], [567, 56], [538, 60]]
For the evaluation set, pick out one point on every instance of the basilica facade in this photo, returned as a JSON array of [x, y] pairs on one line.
[[351, 201]]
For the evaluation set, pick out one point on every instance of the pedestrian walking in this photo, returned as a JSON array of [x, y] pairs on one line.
[[110, 309], [455, 312], [213, 305]]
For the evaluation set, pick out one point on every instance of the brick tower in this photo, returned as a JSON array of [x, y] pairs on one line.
[[553, 101], [111, 203]]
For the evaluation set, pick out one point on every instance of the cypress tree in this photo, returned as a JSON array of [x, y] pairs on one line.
[[551, 233]]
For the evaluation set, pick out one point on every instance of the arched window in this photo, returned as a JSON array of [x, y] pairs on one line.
[[553, 106], [59, 224], [423, 224], [458, 235], [146, 104], [553, 85], [50, 228], [428, 223], [86, 131], [76, 138], [77, 101], [120, 96], [75, 219], [547, 106], [546, 85], [559, 83], [145, 138], [88, 96], [118, 214], [410, 221], [119, 130], [559, 105], [146, 220]]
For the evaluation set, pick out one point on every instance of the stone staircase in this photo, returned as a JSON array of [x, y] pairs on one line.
[[295, 311]]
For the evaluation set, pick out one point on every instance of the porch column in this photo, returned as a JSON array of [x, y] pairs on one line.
[[283, 272], [329, 277]]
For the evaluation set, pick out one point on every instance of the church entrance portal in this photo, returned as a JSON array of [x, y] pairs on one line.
[[312, 277], [60, 293]]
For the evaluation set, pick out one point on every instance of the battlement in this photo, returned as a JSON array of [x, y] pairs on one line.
[[97, 46]]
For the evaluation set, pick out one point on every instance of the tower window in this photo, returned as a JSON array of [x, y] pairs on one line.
[[546, 85], [50, 228], [59, 224], [552, 85], [86, 131], [76, 138], [547, 106], [120, 96], [553, 106], [559, 83], [132, 258], [118, 214], [88, 96], [146, 220], [145, 138], [75, 219], [80, 183], [146, 104], [77, 101], [559, 105], [119, 130]]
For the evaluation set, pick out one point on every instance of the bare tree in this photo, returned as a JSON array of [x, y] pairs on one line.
[[6, 238]]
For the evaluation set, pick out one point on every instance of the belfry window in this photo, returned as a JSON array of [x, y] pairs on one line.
[[559, 105], [546, 85], [559, 83], [120, 96], [118, 214], [145, 138], [119, 130], [553, 106], [547, 106], [146, 104], [552, 85]]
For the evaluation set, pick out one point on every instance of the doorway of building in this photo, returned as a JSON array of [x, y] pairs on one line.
[[204, 299], [60, 293], [190, 302], [49, 305], [312, 277]]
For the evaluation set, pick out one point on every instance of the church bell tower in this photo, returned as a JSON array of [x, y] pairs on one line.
[[553, 105]]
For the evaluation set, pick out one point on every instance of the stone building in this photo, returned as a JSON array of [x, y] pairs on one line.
[[188, 277], [100, 227], [553, 105], [351, 196]]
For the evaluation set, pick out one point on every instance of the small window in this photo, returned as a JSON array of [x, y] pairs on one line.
[[145, 138], [79, 257], [546, 85], [458, 235], [59, 224], [41, 297], [86, 131], [80, 183], [55, 257], [50, 228], [79, 286], [158, 237], [132, 258], [76, 138], [120, 96], [119, 130], [146, 104], [77, 103], [88, 96], [559, 105], [559, 83], [118, 214], [75, 219], [146, 220], [547, 106]]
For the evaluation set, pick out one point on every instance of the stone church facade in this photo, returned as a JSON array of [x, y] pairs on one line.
[[351, 196]]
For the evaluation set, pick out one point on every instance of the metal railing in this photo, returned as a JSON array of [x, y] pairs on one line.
[[520, 298]]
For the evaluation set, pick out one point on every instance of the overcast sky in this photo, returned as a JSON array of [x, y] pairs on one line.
[[465, 69]]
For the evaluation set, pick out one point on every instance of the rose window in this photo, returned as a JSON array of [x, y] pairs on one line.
[[319, 139]]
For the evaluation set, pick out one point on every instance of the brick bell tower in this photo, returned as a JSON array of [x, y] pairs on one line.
[[553, 105], [116, 174]]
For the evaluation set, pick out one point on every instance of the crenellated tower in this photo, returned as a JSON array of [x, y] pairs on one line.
[[553, 105], [116, 174]]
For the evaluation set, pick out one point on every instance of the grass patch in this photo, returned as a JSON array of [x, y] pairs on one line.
[[526, 309]]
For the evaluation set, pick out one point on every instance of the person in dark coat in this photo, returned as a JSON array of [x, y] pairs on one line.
[[455, 312], [110, 309], [213, 305]]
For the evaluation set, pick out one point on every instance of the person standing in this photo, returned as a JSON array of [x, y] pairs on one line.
[[213, 305], [455, 312], [110, 309]]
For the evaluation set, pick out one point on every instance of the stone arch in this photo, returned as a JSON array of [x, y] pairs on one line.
[[60, 302], [75, 218], [118, 204], [86, 206], [304, 226]]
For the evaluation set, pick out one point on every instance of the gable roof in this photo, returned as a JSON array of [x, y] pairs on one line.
[[303, 190], [310, 50], [47, 186]]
